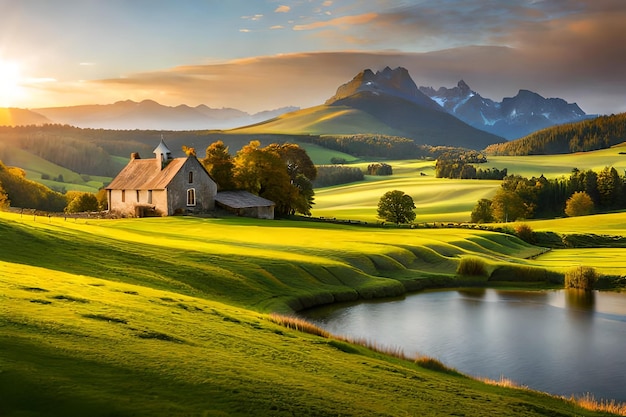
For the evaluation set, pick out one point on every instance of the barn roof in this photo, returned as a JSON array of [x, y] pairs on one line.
[[144, 174], [242, 199]]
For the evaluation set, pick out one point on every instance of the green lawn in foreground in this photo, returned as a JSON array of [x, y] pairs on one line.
[[165, 316]]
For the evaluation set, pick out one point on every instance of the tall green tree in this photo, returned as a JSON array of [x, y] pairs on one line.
[[482, 213], [507, 206], [610, 188], [396, 207], [261, 171], [302, 172]]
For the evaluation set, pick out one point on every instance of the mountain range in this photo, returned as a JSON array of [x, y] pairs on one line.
[[131, 115], [512, 118], [386, 102], [150, 115]]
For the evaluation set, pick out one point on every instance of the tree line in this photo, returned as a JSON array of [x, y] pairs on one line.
[[458, 164], [378, 146], [583, 192], [588, 135]]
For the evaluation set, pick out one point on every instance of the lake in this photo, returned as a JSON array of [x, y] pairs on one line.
[[563, 342]]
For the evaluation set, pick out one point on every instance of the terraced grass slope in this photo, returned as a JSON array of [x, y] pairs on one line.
[[167, 317]]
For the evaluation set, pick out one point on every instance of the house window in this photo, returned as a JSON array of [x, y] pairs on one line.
[[191, 197], [190, 177], [123, 196], [138, 196], [149, 196]]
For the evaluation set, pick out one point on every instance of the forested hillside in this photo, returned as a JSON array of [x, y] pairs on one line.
[[599, 133], [20, 192]]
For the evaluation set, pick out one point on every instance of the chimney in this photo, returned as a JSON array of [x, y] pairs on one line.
[[134, 155]]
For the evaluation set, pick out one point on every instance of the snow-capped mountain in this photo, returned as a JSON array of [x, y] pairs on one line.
[[512, 118]]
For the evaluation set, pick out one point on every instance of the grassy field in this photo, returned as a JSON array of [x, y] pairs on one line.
[[436, 199], [446, 200], [552, 166], [169, 317]]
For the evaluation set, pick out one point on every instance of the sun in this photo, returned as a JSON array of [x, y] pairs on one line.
[[10, 79]]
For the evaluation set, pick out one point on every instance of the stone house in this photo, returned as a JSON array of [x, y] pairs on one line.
[[164, 186], [161, 186]]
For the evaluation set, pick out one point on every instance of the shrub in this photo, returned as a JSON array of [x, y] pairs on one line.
[[581, 277], [525, 232], [525, 273], [579, 204], [472, 266]]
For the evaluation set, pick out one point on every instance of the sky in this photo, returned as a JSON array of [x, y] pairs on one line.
[[257, 55]]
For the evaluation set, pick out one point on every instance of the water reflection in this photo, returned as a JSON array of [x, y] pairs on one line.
[[562, 342], [580, 299]]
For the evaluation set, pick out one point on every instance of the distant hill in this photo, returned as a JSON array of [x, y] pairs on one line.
[[21, 117], [512, 118], [599, 133], [383, 103], [149, 114]]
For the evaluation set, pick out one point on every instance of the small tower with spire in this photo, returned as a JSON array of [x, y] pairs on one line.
[[163, 154]]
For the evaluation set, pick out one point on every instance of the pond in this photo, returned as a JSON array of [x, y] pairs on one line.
[[562, 342]]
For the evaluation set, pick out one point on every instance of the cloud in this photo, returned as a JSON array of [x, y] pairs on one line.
[[308, 79], [342, 22], [282, 9], [253, 18], [277, 27]]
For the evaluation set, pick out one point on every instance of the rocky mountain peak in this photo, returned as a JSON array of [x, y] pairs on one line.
[[395, 82]]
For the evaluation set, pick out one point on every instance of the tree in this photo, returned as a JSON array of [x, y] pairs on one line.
[[302, 172], [579, 204], [4, 199], [482, 213], [396, 207], [261, 171], [79, 202], [507, 206], [189, 151], [220, 165], [610, 188]]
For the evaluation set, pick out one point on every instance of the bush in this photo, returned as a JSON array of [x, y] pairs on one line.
[[472, 266], [581, 277], [525, 273], [579, 204], [525, 232]]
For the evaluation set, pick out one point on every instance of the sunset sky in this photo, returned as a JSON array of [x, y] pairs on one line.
[[262, 54]]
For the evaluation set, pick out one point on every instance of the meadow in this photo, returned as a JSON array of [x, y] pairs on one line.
[[170, 316], [173, 316], [449, 200]]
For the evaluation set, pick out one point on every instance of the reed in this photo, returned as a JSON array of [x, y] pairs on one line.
[[589, 402]]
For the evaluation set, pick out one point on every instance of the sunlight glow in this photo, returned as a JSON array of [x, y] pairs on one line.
[[10, 78]]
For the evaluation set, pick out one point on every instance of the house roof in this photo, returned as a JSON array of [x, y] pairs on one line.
[[242, 199], [144, 174]]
